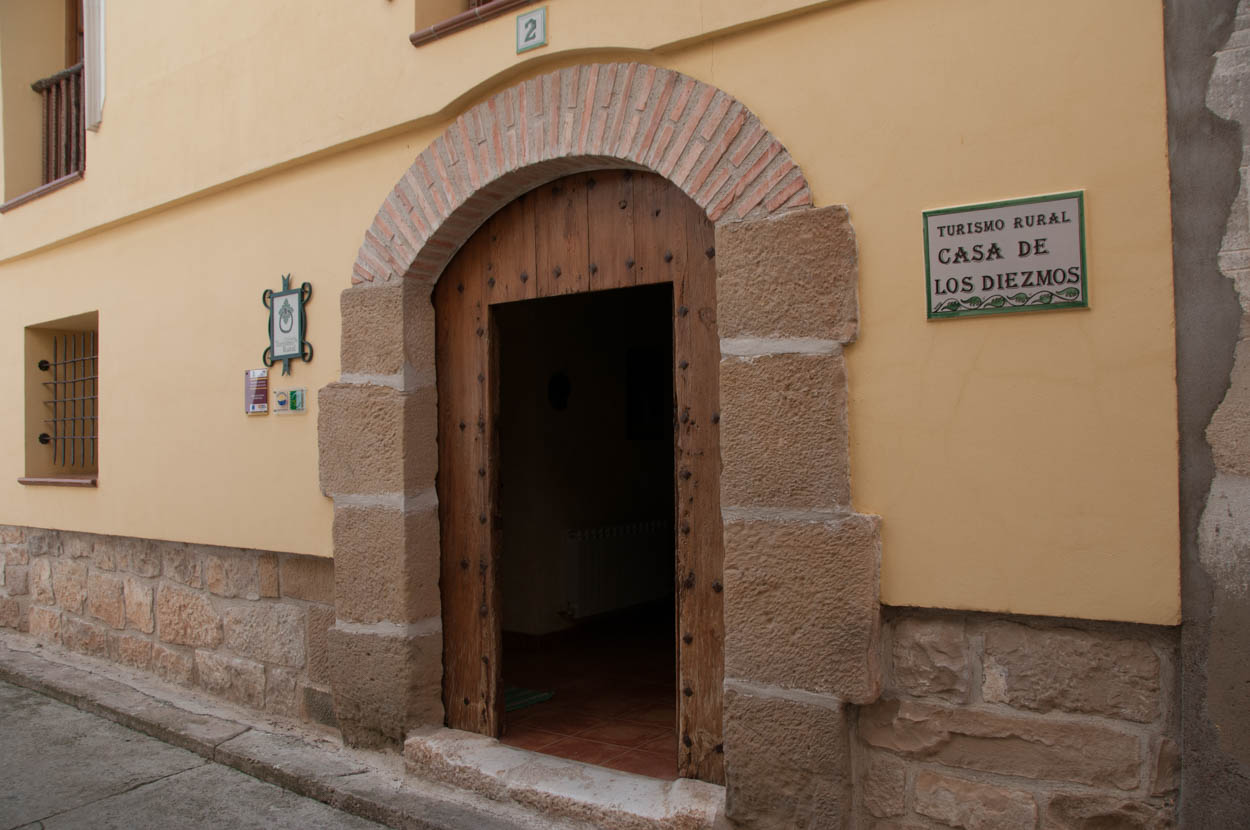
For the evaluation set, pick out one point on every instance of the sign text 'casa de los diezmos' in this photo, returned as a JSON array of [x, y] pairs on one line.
[[1019, 255]]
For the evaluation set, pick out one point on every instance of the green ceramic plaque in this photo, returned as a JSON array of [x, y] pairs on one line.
[[1018, 255]]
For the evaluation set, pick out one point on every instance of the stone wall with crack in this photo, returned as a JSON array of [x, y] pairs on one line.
[[1019, 722]]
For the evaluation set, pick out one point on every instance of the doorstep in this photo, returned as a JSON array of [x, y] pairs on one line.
[[560, 788]]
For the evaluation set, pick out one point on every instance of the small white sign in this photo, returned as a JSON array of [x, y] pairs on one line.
[[1020, 255], [531, 30]]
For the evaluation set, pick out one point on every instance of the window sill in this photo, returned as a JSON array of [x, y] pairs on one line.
[[466, 19], [60, 481], [42, 190]]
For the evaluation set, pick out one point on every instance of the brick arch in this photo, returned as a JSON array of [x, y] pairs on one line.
[[575, 119], [801, 593]]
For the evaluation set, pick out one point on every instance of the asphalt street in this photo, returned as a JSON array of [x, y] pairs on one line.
[[64, 769]]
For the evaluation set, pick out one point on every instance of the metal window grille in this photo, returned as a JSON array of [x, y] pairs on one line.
[[71, 401]]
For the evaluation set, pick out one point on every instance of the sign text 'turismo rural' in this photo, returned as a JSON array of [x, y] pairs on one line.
[[1019, 255]]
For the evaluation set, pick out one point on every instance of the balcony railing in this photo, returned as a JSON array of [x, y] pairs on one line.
[[63, 124]]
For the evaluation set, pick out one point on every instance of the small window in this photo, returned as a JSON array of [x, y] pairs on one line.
[[62, 402]]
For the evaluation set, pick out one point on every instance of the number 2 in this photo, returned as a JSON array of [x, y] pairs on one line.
[[531, 29]]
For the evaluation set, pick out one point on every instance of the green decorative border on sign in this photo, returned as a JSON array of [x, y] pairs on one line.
[[1001, 303]]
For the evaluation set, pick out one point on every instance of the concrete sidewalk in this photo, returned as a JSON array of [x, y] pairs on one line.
[[64, 769], [81, 763]]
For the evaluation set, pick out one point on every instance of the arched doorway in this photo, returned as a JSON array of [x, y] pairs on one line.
[[611, 230], [800, 582]]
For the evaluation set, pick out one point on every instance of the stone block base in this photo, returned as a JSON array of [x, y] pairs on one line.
[[1017, 722], [386, 679], [787, 759], [984, 720], [244, 625]]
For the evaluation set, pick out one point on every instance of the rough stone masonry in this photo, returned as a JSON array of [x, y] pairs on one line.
[[249, 626], [991, 721]]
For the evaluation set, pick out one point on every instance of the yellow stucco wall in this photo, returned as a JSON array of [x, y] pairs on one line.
[[1022, 463]]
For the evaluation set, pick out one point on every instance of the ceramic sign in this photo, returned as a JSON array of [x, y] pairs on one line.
[[531, 30], [1018, 255]]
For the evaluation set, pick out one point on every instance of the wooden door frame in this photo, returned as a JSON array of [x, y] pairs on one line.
[[596, 231]]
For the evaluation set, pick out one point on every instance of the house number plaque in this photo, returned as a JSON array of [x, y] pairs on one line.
[[1019, 255], [531, 30]]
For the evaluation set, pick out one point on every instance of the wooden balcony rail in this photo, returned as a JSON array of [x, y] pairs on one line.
[[63, 123]]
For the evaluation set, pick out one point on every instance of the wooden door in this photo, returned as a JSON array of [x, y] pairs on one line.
[[587, 232]]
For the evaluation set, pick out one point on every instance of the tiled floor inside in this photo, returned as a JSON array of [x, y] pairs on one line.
[[614, 695]]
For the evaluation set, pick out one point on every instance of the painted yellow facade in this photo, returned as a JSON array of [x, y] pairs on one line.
[[1022, 463]]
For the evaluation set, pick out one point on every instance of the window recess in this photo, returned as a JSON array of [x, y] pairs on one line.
[[62, 405]]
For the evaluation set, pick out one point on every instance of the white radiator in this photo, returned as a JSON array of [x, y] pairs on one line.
[[618, 566]]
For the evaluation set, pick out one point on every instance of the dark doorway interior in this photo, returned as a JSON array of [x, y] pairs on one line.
[[586, 509]]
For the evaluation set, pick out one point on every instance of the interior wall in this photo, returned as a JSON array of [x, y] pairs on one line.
[[577, 467], [32, 46]]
